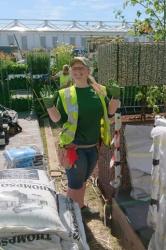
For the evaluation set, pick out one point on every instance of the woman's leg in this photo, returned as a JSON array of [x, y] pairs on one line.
[[77, 195], [92, 158], [76, 178]]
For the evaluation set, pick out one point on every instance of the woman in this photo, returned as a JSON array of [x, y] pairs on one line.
[[82, 110], [64, 77]]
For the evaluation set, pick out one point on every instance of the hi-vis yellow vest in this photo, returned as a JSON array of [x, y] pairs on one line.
[[69, 100], [64, 79]]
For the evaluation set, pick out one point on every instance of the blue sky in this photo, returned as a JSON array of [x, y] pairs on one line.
[[64, 9]]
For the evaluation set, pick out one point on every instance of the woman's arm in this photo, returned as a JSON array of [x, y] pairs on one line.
[[113, 105], [54, 114]]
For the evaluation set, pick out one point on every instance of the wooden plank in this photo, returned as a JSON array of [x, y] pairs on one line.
[[54, 167], [129, 238]]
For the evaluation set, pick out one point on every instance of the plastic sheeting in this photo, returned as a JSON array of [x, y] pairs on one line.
[[138, 143], [24, 156], [158, 217], [158, 241]]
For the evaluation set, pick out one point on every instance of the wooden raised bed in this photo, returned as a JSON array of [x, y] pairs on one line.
[[120, 223], [124, 230]]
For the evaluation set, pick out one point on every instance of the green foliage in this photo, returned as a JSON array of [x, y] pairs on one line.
[[48, 95], [155, 21], [142, 94], [5, 66], [38, 62], [9, 67], [113, 89], [62, 55], [21, 104], [142, 27], [16, 68], [151, 96], [18, 83]]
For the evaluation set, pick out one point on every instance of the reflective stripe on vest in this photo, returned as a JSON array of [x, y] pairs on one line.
[[69, 101]]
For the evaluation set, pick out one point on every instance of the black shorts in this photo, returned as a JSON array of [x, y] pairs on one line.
[[83, 167]]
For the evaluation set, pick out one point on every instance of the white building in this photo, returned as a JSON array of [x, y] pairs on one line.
[[49, 33]]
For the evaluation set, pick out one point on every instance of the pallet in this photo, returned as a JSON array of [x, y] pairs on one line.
[[129, 238], [54, 167]]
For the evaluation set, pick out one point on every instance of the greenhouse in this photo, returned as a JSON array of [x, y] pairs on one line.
[[49, 33]]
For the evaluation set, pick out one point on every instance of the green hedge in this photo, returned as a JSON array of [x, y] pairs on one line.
[[18, 83], [21, 104], [38, 62], [132, 63], [8, 67]]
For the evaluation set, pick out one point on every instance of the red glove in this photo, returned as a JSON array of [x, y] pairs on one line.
[[72, 155]]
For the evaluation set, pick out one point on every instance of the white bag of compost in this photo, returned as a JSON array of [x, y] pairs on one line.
[[28, 204], [31, 242], [71, 218]]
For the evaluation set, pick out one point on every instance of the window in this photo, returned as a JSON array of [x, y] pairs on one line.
[[54, 41], [24, 42], [11, 39], [72, 40], [83, 42], [43, 41]]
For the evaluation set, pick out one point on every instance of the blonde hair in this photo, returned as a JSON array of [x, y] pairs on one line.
[[97, 87], [91, 80], [65, 67]]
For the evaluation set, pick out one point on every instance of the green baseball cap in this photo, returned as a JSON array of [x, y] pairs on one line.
[[82, 60]]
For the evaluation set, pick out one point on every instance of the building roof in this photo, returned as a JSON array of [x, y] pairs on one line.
[[62, 25], [47, 26], [15, 25]]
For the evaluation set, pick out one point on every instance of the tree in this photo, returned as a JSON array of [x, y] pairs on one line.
[[155, 21]]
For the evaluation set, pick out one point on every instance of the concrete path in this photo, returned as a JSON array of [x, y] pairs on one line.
[[30, 135]]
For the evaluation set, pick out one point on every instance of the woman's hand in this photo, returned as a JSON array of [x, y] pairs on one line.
[[48, 96]]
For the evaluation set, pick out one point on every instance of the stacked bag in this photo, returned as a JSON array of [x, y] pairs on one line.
[[33, 216], [25, 156], [157, 209]]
